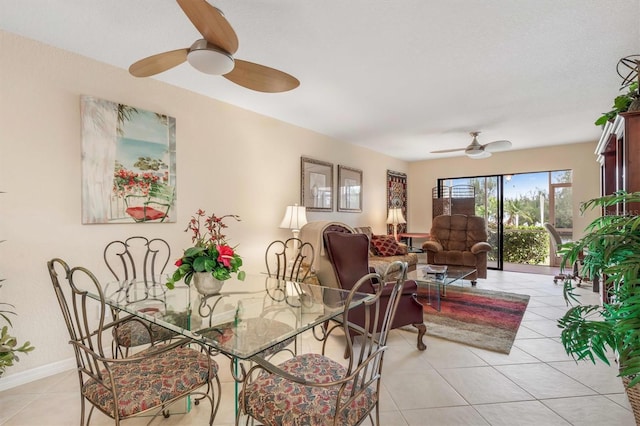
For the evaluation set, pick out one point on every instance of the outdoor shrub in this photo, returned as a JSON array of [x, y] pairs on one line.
[[525, 244]]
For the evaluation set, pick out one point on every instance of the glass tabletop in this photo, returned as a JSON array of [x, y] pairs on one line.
[[244, 319], [432, 280]]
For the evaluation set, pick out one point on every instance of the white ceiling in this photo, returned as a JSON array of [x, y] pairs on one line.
[[403, 77]]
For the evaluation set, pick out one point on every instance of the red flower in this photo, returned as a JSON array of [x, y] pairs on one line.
[[225, 254], [178, 262]]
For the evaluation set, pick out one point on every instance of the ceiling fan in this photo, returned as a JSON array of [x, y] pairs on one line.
[[476, 150], [214, 54]]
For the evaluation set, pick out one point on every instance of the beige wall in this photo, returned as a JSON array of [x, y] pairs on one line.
[[577, 157], [229, 160]]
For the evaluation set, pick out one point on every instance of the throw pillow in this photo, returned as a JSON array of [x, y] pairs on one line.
[[366, 230], [385, 245]]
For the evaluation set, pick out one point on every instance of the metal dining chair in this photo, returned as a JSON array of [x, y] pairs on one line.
[[287, 260], [139, 258], [313, 389], [147, 382]]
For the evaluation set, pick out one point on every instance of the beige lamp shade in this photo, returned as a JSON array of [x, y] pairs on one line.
[[395, 216], [295, 217]]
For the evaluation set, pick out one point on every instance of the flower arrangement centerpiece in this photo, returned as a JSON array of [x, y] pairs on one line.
[[210, 252]]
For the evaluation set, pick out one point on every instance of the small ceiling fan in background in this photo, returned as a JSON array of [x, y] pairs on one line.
[[214, 54], [476, 150]]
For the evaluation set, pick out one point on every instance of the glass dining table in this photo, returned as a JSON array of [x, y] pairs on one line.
[[247, 321]]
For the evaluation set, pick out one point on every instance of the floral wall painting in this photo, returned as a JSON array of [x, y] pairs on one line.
[[349, 189], [316, 183], [128, 164]]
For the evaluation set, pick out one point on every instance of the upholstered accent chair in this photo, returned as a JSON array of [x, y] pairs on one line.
[[313, 233], [459, 240], [138, 258], [147, 382], [348, 254], [313, 389]]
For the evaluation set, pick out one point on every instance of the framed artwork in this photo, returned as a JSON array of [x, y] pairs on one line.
[[349, 189], [397, 197], [128, 164], [316, 183]]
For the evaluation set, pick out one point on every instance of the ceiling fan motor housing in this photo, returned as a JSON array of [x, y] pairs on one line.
[[207, 58]]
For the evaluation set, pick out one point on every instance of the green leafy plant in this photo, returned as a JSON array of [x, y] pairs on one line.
[[620, 104], [525, 244], [611, 248], [210, 253], [9, 348]]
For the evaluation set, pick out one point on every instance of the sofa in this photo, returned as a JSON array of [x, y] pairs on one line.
[[382, 251], [459, 240]]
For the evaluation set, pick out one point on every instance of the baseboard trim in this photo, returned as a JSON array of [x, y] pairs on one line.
[[36, 373]]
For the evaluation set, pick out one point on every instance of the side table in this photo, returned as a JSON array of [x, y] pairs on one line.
[[409, 236]]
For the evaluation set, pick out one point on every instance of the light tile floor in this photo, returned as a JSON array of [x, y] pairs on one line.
[[448, 384]]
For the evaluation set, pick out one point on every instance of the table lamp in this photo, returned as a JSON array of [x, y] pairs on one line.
[[395, 217], [295, 217]]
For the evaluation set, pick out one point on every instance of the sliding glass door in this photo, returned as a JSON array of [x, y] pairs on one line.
[[515, 207], [488, 204]]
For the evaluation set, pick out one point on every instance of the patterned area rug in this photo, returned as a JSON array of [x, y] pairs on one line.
[[485, 319]]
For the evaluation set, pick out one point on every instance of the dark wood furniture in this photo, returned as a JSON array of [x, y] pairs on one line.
[[619, 156], [618, 153]]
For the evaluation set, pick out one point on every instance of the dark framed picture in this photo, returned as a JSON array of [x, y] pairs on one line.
[[316, 183], [349, 189]]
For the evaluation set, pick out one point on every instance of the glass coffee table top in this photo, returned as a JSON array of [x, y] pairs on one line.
[[432, 282]]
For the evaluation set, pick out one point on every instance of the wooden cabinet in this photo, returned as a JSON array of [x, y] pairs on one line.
[[619, 155], [618, 152]]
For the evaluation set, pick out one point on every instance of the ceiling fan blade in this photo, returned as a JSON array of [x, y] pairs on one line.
[[158, 63], [497, 146], [261, 78], [211, 23], [442, 151], [484, 154]]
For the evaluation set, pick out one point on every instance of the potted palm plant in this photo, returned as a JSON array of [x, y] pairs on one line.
[[611, 248]]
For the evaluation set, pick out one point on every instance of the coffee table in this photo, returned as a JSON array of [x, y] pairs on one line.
[[436, 286]]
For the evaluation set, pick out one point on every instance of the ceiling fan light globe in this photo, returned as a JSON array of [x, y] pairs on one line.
[[474, 151], [209, 60], [484, 154]]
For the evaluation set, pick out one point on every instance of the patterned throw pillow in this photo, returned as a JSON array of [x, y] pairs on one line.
[[385, 245], [366, 230]]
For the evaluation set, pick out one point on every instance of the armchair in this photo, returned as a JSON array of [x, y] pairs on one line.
[[348, 254], [459, 240]]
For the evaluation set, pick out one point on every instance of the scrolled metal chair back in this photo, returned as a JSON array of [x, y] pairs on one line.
[[365, 360], [137, 258], [289, 260], [78, 310]]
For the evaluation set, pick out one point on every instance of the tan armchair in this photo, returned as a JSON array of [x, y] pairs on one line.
[[459, 240]]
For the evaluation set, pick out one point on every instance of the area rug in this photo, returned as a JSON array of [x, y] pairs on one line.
[[485, 319]]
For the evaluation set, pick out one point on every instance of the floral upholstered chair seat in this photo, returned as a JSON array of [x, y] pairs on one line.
[[312, 389], [136, 333], [274, 400], [157, 381]]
